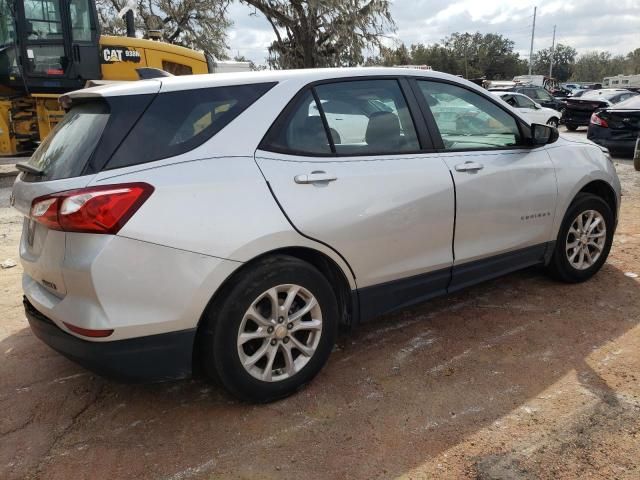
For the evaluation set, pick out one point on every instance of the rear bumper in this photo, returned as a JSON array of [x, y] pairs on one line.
[[578, 120], [153, 358], [602, 136]]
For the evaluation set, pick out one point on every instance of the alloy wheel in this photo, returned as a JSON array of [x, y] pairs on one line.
[[279, 333], [586, 239]]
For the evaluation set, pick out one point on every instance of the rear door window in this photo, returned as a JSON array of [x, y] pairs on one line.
[[301, 131], [65, 151], [177, 122], [368, 117]]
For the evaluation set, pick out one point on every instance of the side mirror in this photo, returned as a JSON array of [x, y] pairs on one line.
[[543, 134]]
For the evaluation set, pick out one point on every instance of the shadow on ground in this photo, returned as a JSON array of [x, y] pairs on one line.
[[395, 393]]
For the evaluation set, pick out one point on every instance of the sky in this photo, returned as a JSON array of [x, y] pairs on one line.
[[586, 25]]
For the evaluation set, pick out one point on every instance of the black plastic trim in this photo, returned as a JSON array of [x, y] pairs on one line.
[[153, 358], [478, 271], [387, 297], [377, 300]]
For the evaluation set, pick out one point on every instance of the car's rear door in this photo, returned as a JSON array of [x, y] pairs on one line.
[[384, 200], [505, 191]]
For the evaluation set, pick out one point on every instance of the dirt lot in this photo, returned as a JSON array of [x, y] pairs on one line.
[[520, 378]]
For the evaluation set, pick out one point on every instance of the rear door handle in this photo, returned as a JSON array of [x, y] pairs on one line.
[[315, 177], [469, 167]]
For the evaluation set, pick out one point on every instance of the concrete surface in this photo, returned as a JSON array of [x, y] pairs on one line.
[[518, 378]]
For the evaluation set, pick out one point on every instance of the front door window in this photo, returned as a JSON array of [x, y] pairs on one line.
[[467, 120]]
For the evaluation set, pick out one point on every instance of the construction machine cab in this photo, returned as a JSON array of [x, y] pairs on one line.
[[48, 46]]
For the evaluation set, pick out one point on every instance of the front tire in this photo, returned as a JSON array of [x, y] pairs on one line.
[[584, 239], [271, 331], [571, 128], [553, 122]]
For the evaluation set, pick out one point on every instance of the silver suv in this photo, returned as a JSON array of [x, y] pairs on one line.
[[235, 221]]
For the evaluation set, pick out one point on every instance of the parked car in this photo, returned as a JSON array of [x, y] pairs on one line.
[[617, 127], [537, 94], [577, 112], [571, 86], [532, 111], [216, 220]]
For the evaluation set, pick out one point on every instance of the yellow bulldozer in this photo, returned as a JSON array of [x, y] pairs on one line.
[[49, 47]]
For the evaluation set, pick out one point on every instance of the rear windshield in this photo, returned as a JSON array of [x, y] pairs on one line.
[[632, 103], [177, 122], [65, 151], [600, 94]]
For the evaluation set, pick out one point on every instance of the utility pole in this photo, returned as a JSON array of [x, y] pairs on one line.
[[533, 33], [553, 46], [466, 71]]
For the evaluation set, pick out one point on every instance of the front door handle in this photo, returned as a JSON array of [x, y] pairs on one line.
[[469, 167], [315, 177]]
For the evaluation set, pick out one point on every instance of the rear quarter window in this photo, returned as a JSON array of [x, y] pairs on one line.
[[177, 122], [66, 150]]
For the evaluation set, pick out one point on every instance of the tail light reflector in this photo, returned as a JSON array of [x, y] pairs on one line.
[[103, 209], [596, 120], [86, 332]]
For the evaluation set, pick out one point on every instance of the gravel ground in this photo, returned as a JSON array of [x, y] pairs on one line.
[[518, 378]]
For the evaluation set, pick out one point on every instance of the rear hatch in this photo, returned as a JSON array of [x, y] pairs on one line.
[[579, 111], [66, 160]]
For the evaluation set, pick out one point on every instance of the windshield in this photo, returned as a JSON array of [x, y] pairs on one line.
[[7, 34], [67, 149]]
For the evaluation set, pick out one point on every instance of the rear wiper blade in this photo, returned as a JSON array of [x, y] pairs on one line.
[[25, 167]]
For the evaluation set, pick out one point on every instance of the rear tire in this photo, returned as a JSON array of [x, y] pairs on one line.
[[287, 352], [584, 239], [572, 128]]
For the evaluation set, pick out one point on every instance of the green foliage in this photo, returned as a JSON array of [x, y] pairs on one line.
[[197, 24], [323, 33], [564, 57], [471, 55], [594, 66]]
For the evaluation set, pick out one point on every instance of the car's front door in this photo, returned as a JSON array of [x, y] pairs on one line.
[[505, 191], [373, 194]]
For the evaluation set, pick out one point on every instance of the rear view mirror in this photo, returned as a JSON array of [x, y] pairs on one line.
[[543, 134]]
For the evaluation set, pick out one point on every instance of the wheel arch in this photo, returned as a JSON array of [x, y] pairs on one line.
[[602, 189], [348, 305], [336, 276]]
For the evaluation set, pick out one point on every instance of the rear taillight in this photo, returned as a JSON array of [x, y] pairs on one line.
[[103, 209], [596, 120]]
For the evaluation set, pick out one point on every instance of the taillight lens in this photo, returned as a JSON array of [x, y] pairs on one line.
[[103, 209], [596, 120]]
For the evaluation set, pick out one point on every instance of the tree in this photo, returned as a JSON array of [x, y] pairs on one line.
[[328, 33], [490, 55], [633, 62], [197, 24], [593, 67], [564, 57]]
